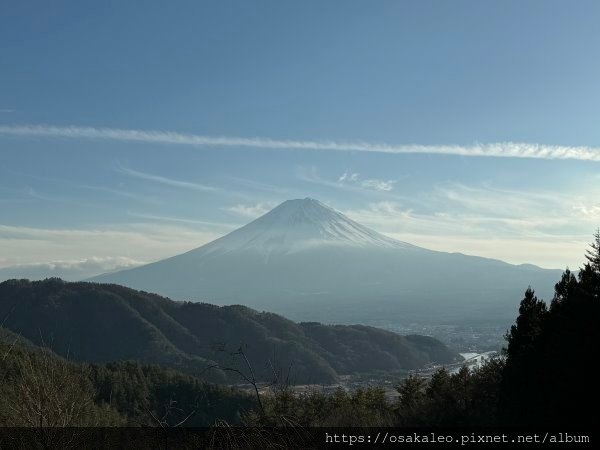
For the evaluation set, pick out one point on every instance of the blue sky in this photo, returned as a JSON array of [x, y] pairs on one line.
[[129, 134]]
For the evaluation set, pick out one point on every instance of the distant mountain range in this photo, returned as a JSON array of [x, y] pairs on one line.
[[307, 261], [101, 323]]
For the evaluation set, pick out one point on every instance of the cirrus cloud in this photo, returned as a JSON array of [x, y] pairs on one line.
[[498, 150]]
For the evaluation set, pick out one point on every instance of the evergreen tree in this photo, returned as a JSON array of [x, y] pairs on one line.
[[411, 397], [589, 275], [411, 392], [593, 254], [522, 335]]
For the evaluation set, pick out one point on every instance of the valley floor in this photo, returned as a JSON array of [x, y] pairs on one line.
[[461, 338], [385, 381]]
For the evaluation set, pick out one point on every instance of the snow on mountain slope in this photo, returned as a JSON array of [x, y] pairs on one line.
[[298, 225]]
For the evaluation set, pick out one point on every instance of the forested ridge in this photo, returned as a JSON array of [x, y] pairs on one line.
[[101, 323]]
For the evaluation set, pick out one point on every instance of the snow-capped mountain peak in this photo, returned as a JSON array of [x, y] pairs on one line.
[[300, 224]]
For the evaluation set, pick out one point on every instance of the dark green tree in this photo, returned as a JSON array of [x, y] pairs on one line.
[[411, 393], [589, 275], [524, 332], [548, 379], [593, 254]]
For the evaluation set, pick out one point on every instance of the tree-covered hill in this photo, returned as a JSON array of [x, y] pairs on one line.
[[39, 388], [101, 323]]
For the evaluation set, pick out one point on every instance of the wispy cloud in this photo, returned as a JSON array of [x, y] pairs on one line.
[[486, 199], [167, 181], [6, 111], [146, 240], [485, 209], [503, 149], [372, 183], [33, 193], [251, 211], [348, 177], [88, 187], [549, 240], [118, 192], [182, 220], [311, 175], [349, 181], [588, 211], [101, 263], [379, 185], [71, 270]]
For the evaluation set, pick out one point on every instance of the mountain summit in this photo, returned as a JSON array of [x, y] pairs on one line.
[[297, 225], [308, 261]]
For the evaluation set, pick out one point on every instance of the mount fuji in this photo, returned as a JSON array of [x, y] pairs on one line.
[[308, 261]]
